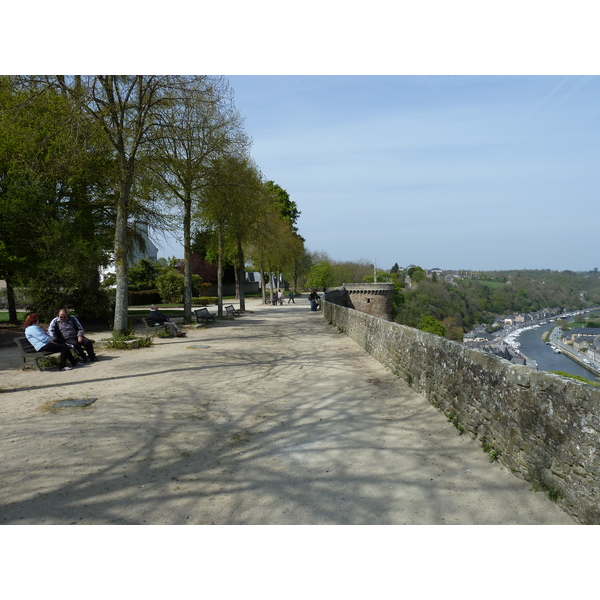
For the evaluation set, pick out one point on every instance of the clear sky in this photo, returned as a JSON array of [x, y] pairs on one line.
[[453, 172], [449, 135]]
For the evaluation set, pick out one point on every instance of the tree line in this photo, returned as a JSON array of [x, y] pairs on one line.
[[82, 158]]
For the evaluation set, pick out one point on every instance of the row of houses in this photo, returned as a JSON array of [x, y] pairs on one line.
[[585, 340]]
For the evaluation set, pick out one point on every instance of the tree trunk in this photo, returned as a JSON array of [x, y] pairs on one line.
[[220, 274], [187, 266], [121, 268], [241, 275], [10, 300]]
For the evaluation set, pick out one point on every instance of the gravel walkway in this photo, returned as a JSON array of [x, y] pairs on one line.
[[272, 418]]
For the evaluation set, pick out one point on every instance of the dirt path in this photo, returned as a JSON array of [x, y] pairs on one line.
[[273, 418]]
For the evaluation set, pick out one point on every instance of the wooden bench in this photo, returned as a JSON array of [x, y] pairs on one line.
[[202, 315], [28, 352], [151, 328], [232, 311]]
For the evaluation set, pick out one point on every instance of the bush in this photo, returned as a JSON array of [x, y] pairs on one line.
[[170, 286], [143, 298], [204, 300]]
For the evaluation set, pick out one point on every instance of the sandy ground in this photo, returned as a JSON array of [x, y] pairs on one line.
[[272, 418]]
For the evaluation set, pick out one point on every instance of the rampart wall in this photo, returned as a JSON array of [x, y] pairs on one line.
[[544, 428]]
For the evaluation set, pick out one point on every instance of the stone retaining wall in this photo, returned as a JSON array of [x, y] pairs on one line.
[[543, 427]]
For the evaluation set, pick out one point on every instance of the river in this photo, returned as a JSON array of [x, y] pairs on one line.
[[533, 347]]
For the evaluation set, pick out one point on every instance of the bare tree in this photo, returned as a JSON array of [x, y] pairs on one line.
[[202, 125], [130, 110]]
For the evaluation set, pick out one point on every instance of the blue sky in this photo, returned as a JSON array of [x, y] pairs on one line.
[[451, 135], [456, 172]]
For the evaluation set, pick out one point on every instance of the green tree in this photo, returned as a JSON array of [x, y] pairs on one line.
[[55, 174], [142, 276], [287, 207], [320, 275], [431, 325], [203, 124], [170, 286]]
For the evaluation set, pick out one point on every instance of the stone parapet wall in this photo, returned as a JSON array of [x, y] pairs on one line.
[[542, 427]]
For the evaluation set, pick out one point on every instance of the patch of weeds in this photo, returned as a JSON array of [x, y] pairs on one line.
[[493, 455], [122, 342], [576, 377], [409, 380], [541, 486], [341, 330], [454, 420], [48, 362]]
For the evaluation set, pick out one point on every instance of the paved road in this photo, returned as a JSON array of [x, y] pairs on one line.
[[272, 418]]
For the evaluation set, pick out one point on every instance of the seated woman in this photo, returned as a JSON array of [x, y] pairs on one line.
[[42, 342]]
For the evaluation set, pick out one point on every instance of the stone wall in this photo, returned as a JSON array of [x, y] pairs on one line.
[[542, 427]]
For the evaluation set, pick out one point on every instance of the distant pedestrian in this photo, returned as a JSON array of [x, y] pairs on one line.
[[291, 297], [314, 300], [280, 296]]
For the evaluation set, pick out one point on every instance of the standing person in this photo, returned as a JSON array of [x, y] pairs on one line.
[[280, 296], [42, 342], [291, 297], [275, 298], [314, 300], [66, 329], [162, 319]]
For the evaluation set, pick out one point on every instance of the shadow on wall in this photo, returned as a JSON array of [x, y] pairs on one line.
[[542, 427]]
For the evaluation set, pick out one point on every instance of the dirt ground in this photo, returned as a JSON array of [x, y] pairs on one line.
[[271, 418]]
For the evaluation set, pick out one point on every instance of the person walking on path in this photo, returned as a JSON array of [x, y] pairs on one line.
[[42, 342], [291, 297]]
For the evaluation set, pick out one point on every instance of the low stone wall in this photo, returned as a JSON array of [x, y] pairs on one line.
[[542, 427]]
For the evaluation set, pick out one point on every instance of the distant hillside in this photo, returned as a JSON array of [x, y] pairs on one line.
[[461, 304]]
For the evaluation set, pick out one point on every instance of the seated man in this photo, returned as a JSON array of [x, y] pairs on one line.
[[66, 329], [162, 319]]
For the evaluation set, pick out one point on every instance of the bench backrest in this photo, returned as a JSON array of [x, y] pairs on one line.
[[25, 345], [201, 311]]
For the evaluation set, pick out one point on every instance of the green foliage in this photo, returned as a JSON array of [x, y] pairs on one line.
[[288, 208], [204, 300], [144, 298], [454, 420], [576, 377], [119, 342], [143, 275], [460, 305], [320, 275], [431, 325], [170, 286], [417, 274]]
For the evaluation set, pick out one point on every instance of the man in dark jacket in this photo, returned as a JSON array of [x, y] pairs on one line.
[[67, 329], [162, 319]]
